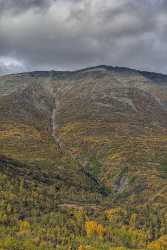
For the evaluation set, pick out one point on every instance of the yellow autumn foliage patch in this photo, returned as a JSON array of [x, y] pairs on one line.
[[16, 131], [93, 228], [70, 128], [96, 140], [160, 244], [118, 248], [115, 214], [81, 247], [24, 227]]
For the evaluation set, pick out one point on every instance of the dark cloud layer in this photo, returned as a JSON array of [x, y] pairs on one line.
[[15, 6], [68, 34]]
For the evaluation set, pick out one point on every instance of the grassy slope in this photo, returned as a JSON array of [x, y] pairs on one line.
[[127, 160], [132, 167], [129, 166]]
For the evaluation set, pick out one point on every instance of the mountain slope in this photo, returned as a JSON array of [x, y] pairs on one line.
[[83, 161], [100, 129]]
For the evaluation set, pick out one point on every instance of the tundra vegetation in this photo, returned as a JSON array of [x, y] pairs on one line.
[[83, 162]]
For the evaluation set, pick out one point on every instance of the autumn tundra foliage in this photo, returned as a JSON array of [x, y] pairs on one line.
[[83, 163]]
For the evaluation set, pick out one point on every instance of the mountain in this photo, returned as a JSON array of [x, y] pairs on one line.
[[100, 129], [83, 161]]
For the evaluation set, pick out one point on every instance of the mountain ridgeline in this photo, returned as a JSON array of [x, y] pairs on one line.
[[94, 138]]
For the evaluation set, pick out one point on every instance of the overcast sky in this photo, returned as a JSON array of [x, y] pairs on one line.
[[71, 34]]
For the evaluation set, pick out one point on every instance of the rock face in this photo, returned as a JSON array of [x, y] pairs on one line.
[[109, 122]]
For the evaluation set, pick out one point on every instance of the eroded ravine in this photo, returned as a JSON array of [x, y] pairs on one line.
[[55, 125], [82, 164]]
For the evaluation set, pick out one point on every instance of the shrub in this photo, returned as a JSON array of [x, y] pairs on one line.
[[160, 244]]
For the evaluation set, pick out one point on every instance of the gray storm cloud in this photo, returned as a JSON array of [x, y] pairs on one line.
[[69, 34], [15, 6]]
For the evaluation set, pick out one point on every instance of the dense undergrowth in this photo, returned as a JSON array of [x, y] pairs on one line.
[[30, 218], [48, 202]]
